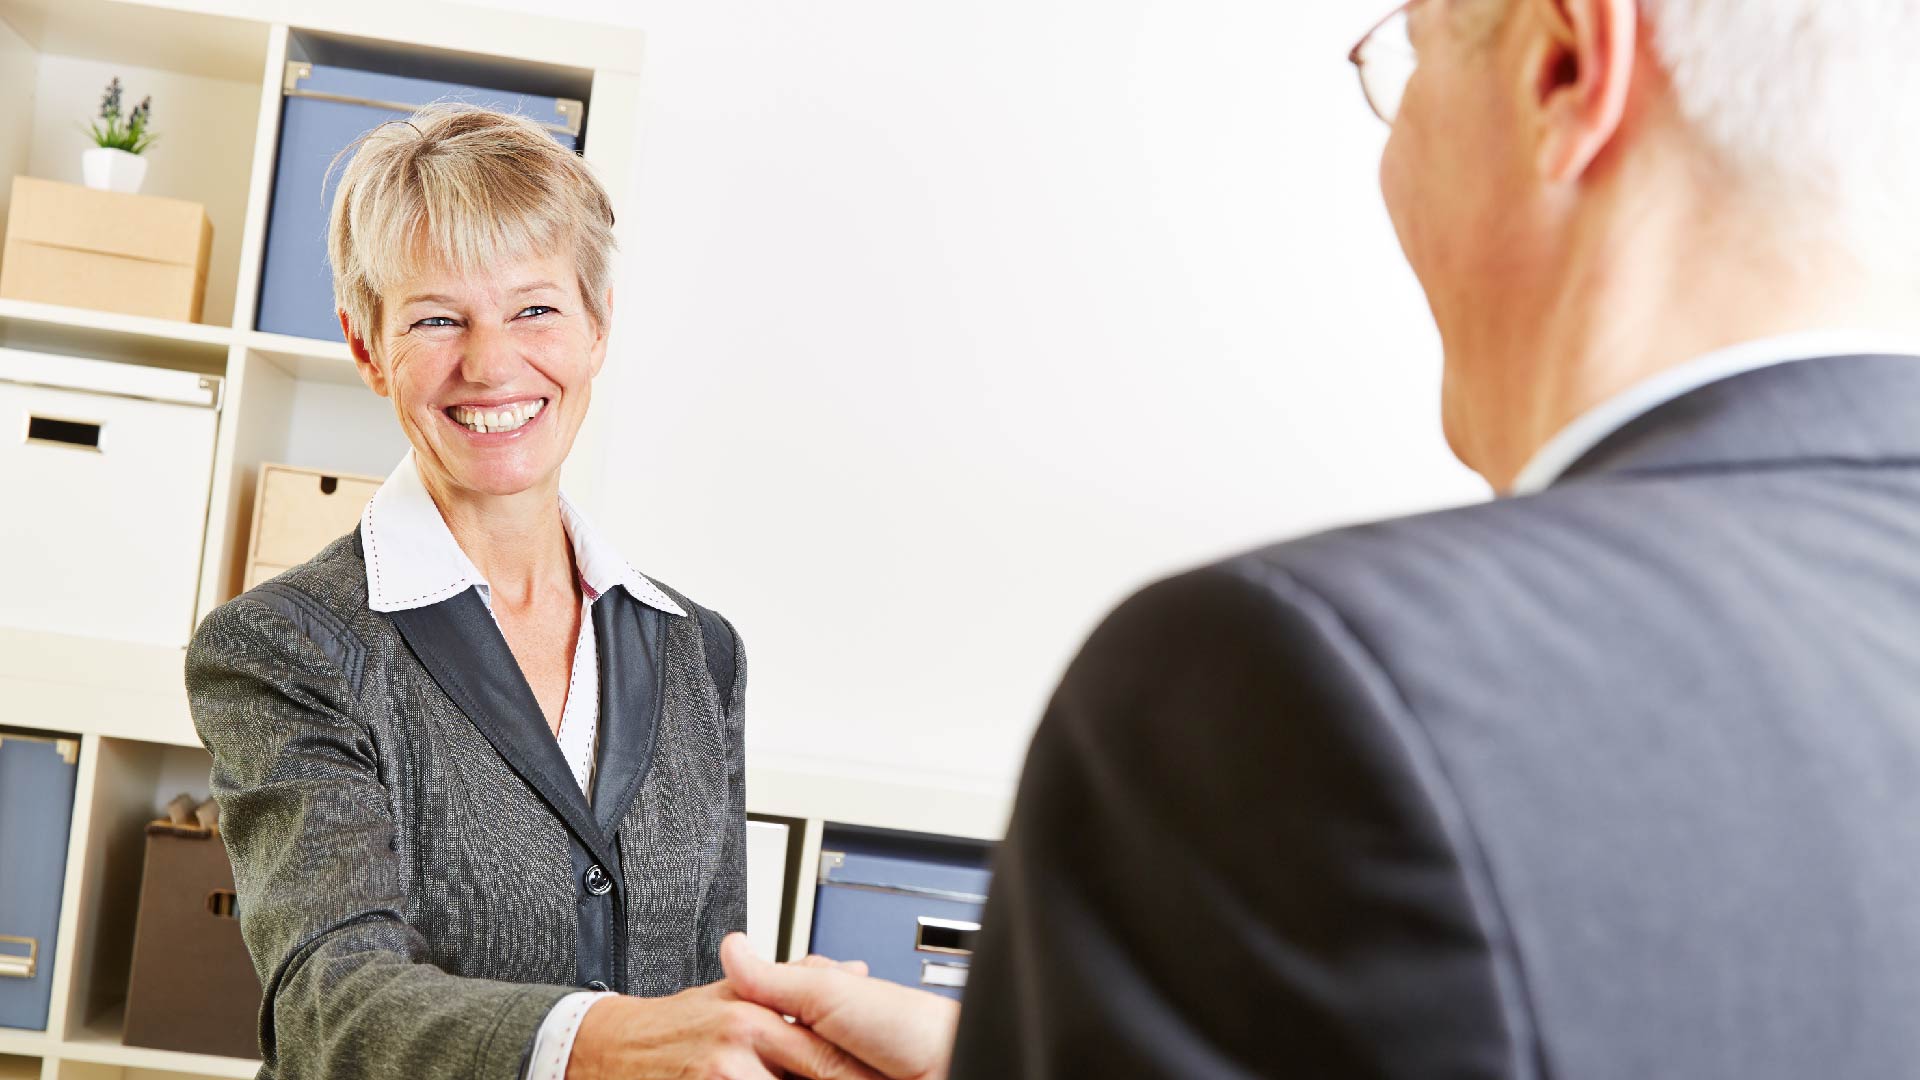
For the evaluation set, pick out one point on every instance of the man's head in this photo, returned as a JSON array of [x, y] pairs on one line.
[[1557, 166]]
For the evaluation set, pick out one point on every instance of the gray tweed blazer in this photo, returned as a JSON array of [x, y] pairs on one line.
[[419, 877]]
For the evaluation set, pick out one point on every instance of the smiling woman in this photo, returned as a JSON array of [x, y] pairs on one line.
[[489, 371], [479, 778], [472, 263]]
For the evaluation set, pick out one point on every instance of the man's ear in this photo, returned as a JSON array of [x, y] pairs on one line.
[[1579, 69], [363, 360]]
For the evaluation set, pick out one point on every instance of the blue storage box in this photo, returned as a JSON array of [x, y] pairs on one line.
[[324, 110], [907, 905], [36, 810]]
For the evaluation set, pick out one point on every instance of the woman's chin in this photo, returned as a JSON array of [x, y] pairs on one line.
[[499, 462], [497, 474]]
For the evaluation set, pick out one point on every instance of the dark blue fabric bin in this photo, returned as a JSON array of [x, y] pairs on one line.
[[908, 906], [296, 287], [36, 813]]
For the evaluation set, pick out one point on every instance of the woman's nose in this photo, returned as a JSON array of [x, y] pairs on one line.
[[489, 355]]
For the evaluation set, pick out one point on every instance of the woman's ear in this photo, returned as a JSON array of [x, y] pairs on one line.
[[363, 360], [1580, 67], [602, 327]]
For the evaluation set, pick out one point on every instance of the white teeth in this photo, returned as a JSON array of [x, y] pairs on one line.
[[492, 420]]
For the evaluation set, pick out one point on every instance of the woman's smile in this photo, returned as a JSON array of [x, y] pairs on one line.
[[496, 423]]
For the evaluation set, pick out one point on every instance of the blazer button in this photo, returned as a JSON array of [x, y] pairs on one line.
[[597, 881], [598, 985]]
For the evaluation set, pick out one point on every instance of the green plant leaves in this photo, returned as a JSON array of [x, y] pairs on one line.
[[116, 132]]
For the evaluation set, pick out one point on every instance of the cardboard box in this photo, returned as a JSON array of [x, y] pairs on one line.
[[193, 987], [296, 512], [134, 254]]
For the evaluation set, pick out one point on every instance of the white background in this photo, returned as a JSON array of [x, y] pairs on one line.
[[944, 326]]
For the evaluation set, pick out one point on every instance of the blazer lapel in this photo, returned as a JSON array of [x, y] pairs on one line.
[[463, 649], [631, 638]]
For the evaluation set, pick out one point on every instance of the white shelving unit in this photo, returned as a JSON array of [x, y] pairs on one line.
[[214, 68]]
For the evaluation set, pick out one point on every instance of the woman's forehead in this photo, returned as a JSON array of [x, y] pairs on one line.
[[438, 278]]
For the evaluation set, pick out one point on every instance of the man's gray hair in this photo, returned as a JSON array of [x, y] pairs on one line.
[[1818, 99]]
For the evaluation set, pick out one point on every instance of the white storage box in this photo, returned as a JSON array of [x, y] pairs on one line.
[[107, 468]]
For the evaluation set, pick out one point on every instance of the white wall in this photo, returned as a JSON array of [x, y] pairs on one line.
[[944, 326]]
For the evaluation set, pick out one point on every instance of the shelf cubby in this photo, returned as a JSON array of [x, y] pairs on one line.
[[215, 69]]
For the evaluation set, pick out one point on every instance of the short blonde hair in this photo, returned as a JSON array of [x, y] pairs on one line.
[[466, 188]]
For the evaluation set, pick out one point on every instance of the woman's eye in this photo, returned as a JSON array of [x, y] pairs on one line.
[[435, 321], [539, 308]]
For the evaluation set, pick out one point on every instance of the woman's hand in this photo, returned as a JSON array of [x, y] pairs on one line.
[[904, 1034], [708, 1032]]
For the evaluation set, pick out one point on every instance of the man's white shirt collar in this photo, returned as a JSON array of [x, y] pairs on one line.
[[1592, 427], [413, 559]]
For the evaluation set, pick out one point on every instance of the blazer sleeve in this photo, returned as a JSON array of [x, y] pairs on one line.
[[347, 989], [1230, 855], [724, 908]]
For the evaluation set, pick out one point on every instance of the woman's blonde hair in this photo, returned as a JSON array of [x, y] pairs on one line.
[[464, 188]]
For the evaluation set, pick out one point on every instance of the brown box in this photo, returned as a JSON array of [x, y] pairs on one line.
[[134, 254], [193, 987], [296, 512]]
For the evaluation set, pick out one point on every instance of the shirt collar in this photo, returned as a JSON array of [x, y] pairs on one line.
[[413, 559], [1592, 427]]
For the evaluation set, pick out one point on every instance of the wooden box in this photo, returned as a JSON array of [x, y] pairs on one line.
[[296, 512], [133, 254]]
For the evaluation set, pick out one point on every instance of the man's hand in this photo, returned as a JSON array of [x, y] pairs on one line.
[[709, 1032], [901, 1033]]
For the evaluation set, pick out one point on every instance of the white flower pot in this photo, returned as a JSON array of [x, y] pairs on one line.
[[109, 169]]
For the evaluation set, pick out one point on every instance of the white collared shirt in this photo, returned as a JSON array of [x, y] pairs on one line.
[[1592, 427], [413, 560]]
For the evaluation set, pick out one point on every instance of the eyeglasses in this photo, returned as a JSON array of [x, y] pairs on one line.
[[1386, 59]]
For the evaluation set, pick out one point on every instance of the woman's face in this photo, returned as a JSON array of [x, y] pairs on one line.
[[491, 374]]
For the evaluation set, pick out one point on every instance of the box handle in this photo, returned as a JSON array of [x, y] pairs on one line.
[[948, 937], [935, 973], [68, 749], [15, 966], [61, 431], [297, 70]]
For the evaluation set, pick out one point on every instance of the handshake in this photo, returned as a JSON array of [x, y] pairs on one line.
[[846, 1026]]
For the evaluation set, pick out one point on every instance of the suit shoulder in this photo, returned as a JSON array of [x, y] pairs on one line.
[[1381, 584], [711, 622], [323, 598], [1426, 597], [1457, 555], [1381, 549]]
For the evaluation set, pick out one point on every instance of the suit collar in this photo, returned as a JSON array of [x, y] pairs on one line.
[[1840, 409], [1592, 427], [413, 559]]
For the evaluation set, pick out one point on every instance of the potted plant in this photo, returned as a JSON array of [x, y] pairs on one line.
[[114, 163]]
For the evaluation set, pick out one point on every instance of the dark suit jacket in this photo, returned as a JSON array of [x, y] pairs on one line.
[[414, 862], [1617, 780]]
